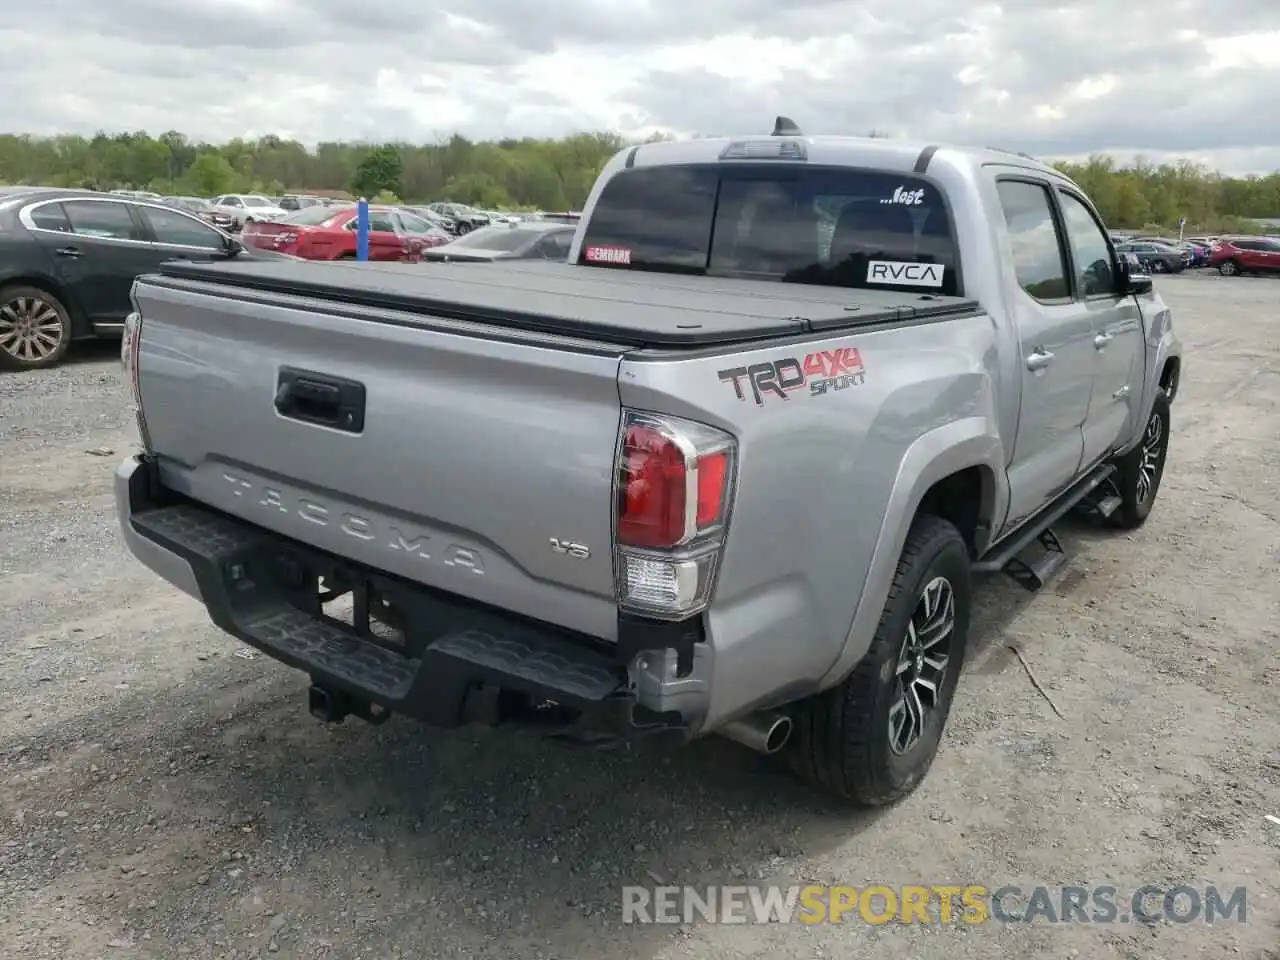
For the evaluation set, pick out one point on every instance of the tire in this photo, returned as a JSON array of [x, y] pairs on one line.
[[842, 738], [31, 309], [1139, 472], [1229, 268], [1159, 266]]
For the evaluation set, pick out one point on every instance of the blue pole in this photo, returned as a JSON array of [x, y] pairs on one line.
[[362, 229]]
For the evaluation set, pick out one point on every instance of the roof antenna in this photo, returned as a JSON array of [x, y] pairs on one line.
[[785, 127]]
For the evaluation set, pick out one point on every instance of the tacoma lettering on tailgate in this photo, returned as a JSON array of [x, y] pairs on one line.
[[822, 372], [389, 536]]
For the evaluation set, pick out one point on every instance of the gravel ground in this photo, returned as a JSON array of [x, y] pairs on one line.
[[162, 795]]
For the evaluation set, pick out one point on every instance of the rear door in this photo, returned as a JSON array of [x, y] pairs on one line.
[[1271, 255], [1055, 334], [99, 254], [1116, 323], [178, 235], [385, 242]]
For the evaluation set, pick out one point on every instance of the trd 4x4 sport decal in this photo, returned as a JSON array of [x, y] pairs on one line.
[[822, 372]]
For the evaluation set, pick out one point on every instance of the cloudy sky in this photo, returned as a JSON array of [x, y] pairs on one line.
[[1057, 79]]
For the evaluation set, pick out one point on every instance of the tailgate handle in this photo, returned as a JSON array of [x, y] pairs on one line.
[[320, 399]]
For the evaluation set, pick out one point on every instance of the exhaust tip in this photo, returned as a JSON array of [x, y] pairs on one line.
[[777, 735], [763, 733]]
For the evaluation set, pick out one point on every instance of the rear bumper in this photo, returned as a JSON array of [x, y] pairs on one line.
[[455, 655]]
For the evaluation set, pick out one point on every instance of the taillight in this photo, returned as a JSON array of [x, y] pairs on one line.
[[675, 482], [130, 360]]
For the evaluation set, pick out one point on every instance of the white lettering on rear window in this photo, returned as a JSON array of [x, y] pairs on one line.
[[910, 198], [595, 254], [905, 274]]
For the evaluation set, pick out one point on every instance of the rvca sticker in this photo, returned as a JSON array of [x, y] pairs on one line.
[[909, 198], [596, 254], [905, 274]]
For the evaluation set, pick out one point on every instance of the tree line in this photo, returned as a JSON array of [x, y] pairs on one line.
[[551, 174]]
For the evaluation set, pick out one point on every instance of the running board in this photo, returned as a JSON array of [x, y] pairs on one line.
[[1034, 554]]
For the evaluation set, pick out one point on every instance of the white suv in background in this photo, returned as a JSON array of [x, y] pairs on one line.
[[244, 208]]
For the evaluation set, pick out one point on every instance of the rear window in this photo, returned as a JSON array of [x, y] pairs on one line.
[[502, 237], [310, 216], [820, 225]]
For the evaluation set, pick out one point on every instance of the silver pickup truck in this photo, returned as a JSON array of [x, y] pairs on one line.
[[732, 468]]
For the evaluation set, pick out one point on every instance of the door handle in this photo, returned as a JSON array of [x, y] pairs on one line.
[[1039, 360], [68, 252], [1101, 340]]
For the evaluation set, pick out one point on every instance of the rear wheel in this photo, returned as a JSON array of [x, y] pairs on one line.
[[1229, 268], [35, 329], [872, 738], [1159, 266]]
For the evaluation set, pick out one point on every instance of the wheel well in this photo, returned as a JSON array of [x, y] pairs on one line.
[[1169, 376], [966, 500]]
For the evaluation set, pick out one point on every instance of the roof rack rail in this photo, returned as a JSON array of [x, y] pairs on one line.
[[785, 127], [1015, 153]]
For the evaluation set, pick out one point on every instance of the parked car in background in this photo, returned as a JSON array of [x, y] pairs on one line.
[[329, 233], [139, 195], [1157, 257], [1236, 255], [1199, 252], [292, 202], [467, 218], [415, 225], [245, 208], [567, 216], [201, 208], [68, 259], [445, 223], [508, 241]]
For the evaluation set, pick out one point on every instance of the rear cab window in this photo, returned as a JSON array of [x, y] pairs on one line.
[[819, 225]]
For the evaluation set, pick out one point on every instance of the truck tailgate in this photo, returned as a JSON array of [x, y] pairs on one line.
[[475, 455]]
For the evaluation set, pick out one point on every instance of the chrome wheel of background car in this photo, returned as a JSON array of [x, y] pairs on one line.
[[1159, 266], [30, 329], [1228, 269], [922, 664], [1149, 462]]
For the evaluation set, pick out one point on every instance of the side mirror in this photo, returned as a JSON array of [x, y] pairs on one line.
[[232, 246], [1130, 277]]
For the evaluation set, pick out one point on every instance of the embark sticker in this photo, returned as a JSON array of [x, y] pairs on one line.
[[902, 273], [620, 255]]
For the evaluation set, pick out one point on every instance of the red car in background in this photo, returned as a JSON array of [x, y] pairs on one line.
[[329, 233], [1236, 255]]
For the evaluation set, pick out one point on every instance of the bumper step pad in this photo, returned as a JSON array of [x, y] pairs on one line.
[[232, 561]]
